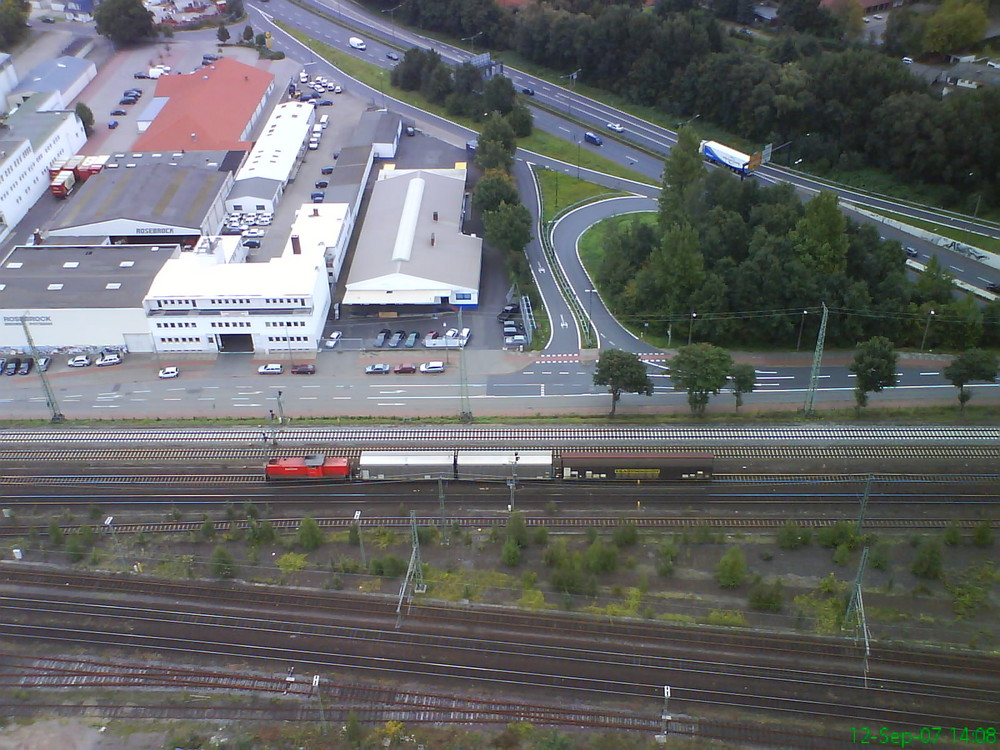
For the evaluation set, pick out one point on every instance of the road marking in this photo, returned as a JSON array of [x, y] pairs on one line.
[[390, 404], [246, 404], [141, 391], [928, 373], [104, 406], [308, 398], [564, 373], [206, 398], [177, 399]]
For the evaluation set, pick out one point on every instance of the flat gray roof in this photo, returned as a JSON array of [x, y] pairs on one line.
[[33, 125], [31, 275], [157, 193], [453, 258], [375, 127]]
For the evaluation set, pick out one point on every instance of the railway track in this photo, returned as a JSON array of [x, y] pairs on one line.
[[553, 522], [688, 436]]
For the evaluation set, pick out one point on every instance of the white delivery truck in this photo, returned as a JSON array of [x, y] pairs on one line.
[[357, 43]]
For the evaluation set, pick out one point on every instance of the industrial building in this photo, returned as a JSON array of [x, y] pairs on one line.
[[274, 160], [411, 250], [63, 78]]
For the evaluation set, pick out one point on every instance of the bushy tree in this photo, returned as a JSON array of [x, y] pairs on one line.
[[248, 33], [508, 228], [743, 378], [626, 535], [793, 536], [601, 557], [222, 34], [511, 553], [971, 365], [13, 23], [86, 117], [982, 535], [622, 372], [732, 569], [874, 366], [124, 21], [929, 560], [702, 371], [767, 597], [494, 187], [309, 535], [223, 565]]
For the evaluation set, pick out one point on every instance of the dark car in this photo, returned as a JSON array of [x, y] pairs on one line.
[[324, 103], [397, 337], [231, 230], [326, 170], [382, 336], [911, 252], [118, 113], [527, 91], [511, 308], [210, 57], [309, 97], [303, 369], [392, 55], [411, 340], [251, 243], [994, 287], [593, 138], [26, 364], [318, 196], [322, 183], [404, 369], [12, 366], [47, 19], [140, 74], [113, 124], [128, 100], [411, 131]]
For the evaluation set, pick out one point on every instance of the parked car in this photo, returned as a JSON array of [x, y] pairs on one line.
[[48, 19], [411, 340], [397, 337], [113, 124], [324, 103], [12, 366], [404, 369], [465, 334], [43, 364], [168, 373], [616, 127], [314, 146], [118, 113], [251, 243], [511, 308], [322, 183], [254, 233], [377, 369], [333, 339], [210, 57], [382, 336], [451, 333], [303, 369], [107, 360], [410, 130], [26, 365], [128, 100], [318, 196], [79, 361], [326, 170], [432, 367], [528, 91], [140, 74], [337, 89], [273, 368]]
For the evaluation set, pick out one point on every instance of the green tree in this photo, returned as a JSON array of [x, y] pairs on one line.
[[354, 733], [601, 557], [508, 228], [494, 187], [510, 555], [309, 536], [354, 534], [75, 549], [955, 25], [55, 534], [86, 117], [702, 370], [124, 21], [222, 34], [952, 535], [208, 529], [498, 95], [291, 562], [971, 365], [732, 569], [767, 597], [234, 9], [497, 144], [874, 366], [683, 178], [516, 529], [744, 377], [622, 372], [928, 562], [223, 565], [625, 535], [793, 536], [820, 236], [13, 23], [248, 33], [521, 121]]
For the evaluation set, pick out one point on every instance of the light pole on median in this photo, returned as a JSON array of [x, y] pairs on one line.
[[802, 323], [691, 327], [927, 328], [590, 311]]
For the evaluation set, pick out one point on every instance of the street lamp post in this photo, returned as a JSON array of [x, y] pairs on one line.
[[691, 327], [802, 323], [392, 16], [590, 311], [578, 158], [927, 328], [472, 39], [361, 541], [281, 410]]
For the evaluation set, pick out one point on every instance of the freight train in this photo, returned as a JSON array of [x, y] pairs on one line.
[[497, 465]]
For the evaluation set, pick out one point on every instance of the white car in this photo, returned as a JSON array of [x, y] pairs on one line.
[[617, 127], [334, 338], [168, 372], [80, 361], [432, 367], [313, 145], [451, 333], [257, 233], [337, 89], [107, 360], [274, 368], [466, 334]]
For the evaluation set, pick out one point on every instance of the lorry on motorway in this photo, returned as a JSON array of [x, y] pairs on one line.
[[719, 153]]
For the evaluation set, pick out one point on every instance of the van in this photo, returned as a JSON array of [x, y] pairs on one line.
[[593, 138], [317, 131], [992, 64], [324, 121], [357, 43], [908, 60]]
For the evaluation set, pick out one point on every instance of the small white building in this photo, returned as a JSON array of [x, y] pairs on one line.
[[411, 250], [65, 77], [274, 159], [211, 300], [35, 137], [322, 229]]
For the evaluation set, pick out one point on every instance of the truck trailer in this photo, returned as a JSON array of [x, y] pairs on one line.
[[719, 153]]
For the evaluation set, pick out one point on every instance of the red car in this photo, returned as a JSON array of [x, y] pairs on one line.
[[404, 369], [304, 370]]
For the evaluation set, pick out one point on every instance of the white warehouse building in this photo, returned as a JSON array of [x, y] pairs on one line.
[[274, 159]]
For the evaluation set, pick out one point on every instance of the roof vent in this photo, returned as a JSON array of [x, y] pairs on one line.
[[435, 216], [432, 239]]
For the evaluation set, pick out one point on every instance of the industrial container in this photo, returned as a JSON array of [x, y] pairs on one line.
[[504, 464], [379, 465]]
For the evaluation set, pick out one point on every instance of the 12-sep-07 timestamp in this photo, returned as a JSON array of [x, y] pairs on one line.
[[923, 736]]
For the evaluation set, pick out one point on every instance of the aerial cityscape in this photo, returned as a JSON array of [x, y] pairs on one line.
[[652, 356]]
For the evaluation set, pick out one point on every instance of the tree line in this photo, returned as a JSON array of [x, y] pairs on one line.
[[842, 106], [733, 263]]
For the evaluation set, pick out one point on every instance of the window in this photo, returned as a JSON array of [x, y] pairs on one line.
[[463, 296]]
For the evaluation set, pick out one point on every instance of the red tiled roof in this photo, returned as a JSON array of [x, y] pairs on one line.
[[215, 104]]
